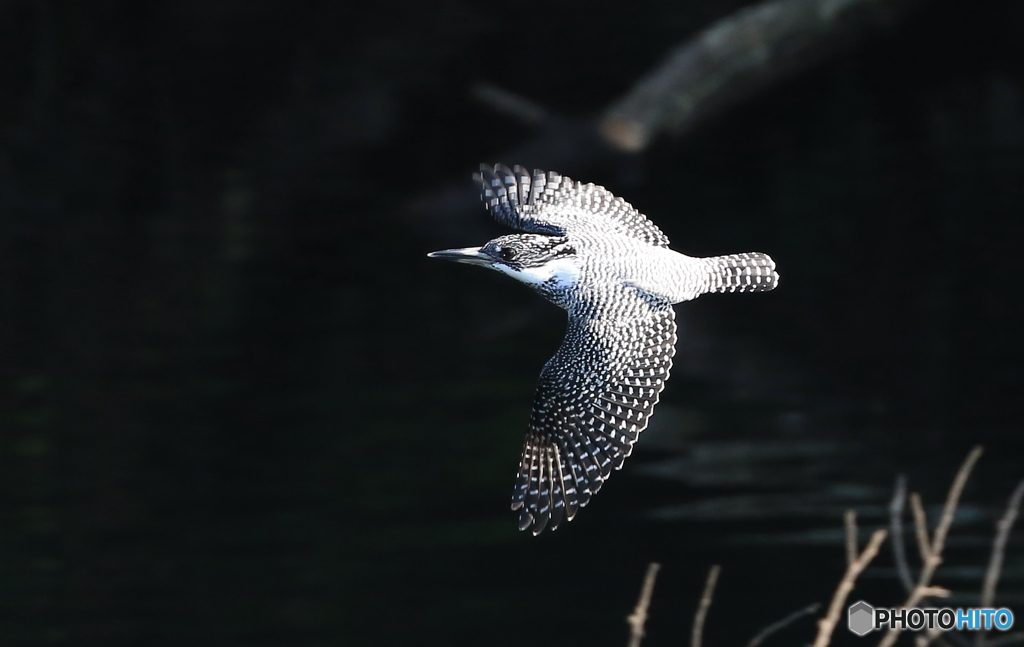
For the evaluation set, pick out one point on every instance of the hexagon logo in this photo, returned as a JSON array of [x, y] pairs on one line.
[[861, 618]]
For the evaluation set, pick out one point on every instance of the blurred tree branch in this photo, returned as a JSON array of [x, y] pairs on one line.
[[932, 546], [779, 625], [638, 618], [720, 67], [697, 635], [853, 570], [995, 564], [735, 57], [931, 550]]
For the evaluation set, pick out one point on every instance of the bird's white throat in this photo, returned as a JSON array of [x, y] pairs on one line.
[[564, 271]]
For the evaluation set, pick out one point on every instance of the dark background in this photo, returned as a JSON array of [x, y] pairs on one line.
[[240, 406]]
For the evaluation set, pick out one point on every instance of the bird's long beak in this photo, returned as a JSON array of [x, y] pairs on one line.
[[471, 255]]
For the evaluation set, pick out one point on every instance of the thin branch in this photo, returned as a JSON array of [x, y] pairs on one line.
[[509, 103], [934, 551], [810, 609], [995, 562], [850, 524], [828, 624], [952, 501], [920, 526], [1003, 528], [933, 592], [899, 549], [705, 604], [638, 618]]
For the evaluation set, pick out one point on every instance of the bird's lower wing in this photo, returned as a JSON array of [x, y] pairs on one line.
[[594, 398]]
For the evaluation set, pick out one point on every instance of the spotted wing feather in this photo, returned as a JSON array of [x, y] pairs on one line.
[[594, 398], [549, 203]]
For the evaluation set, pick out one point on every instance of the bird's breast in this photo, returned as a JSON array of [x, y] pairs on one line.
[[559, 274]]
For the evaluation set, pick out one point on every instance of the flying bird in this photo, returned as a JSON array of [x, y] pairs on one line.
[[611, 269]]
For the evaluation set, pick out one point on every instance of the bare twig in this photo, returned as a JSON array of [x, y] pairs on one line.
[[509, 103], [952, 501], [850, 524], [828, 624], [810, 609], [1003, 528], [933, 556], [920, 526], [933, 592], [899, 549], [705, 604], [995, 562], [638, 618]]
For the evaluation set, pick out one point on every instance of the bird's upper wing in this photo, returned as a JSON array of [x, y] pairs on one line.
[[549, 203], [594, 398]]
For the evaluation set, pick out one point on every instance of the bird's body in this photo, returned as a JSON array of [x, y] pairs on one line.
[[610, 268]]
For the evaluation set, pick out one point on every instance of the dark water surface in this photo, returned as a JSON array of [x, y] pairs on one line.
[[241, 407]]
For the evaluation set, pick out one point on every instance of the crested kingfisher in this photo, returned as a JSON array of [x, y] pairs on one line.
[[594, 255]]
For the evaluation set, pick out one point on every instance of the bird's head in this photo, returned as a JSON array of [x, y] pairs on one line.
[[547, 262]]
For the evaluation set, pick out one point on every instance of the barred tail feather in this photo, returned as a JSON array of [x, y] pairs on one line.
[[749, 272]]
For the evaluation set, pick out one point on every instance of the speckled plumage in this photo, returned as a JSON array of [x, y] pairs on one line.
[[611, 269]]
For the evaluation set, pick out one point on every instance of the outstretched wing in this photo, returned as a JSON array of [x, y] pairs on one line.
[[594, 398], [549, 203]]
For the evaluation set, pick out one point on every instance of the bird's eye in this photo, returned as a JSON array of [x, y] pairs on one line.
[[507, 254]]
